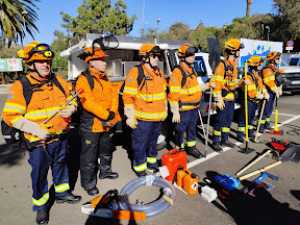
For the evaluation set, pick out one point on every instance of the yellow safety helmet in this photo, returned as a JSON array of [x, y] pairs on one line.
[[90, 53], [254, 61], [186, 50], [273, 55], [233, 44], [148, 48], [35, 51]]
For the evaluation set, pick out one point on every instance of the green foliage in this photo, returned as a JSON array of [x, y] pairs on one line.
[[287, 22], [17, 17], [60, 43], [98, 16]]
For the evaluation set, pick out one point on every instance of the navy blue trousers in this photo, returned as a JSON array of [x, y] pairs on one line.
[[188, 124], [252, 107], [144, 138], [40, 159], [222, 122]]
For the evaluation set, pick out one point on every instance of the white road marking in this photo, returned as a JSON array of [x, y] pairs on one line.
[[213, 154], [286, 114]]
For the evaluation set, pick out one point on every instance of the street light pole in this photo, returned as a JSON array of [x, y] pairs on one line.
[[268, 32], [157, 35]]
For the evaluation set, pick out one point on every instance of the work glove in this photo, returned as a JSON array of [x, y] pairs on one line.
[[266, 95], [130, 114], [277, 93], [246, 81], [175, 112], [259, 96], [203, 86], [220, 102], [33, 128], [67, 111], [280, 90]]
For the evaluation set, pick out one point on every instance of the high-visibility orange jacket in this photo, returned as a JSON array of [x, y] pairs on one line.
[[255, 85], [44, 102], [149, 99], [225, 80], [268, 74], [189, 95], [97, 102]]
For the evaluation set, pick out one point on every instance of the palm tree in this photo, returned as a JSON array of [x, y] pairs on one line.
[[249, 2], [17, 18]]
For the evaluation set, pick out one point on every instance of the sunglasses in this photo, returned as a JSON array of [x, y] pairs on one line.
[[191, 51]]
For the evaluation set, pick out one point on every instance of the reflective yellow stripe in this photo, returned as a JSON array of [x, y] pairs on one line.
[[250, 127], [251, 87], [151, 160], [267, 79], [218, 78], [152, 97], [225, 129], [14, 108], [175, 89], [130, 90], [61, 187], [173, 102], [217, 133], [140, 168], [191, 143], [268, 119], [16, 119], [191, 90], [150, 116], [41, 114], [262, 122], [188, 107], [241, 129], [42, 201], [73, 102]]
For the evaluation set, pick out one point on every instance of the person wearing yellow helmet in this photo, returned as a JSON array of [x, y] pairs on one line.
[[270, 74], [225, 80], [145, 106], [40, 106], [184, 98], [255, 93]]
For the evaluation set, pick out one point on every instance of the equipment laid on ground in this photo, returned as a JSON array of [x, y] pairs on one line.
[[290, 154], [173, 160], [227, 182], [208, 193], [116, 205], [276, 130], [188, 181]]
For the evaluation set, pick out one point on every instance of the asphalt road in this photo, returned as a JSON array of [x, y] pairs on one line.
[[280, 205]]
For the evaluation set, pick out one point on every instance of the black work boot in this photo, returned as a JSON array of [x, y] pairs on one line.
[[68, 198], [93, 191], [193, 151], [141, 173], [105, 168], [42, 216], [217, 147], [228, 144]]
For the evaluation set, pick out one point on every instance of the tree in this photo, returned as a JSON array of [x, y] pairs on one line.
[[60, 43], [179, 31], [98, 16], [17, 17], [248, 7], [287, 20]]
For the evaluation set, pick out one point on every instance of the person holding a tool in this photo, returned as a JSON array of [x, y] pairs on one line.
[[33, 99], [226, 82], [98, 116], [145, 107], [269, 75], [184, 98], [255, 93]]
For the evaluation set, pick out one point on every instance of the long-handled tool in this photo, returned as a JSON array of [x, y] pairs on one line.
[[291, 154], [259, 119], [208, 120], [246, 150], [69, 102], [203, 129], [276, 130]]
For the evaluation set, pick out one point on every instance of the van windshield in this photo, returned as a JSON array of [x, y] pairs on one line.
[[199, 66], [294, 61]]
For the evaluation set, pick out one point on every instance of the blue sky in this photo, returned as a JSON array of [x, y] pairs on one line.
[[190, 12]]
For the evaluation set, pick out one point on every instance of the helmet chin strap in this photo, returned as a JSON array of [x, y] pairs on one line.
[[147, 60], [186, 62]]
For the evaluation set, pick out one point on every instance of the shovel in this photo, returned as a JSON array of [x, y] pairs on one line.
[[291, 154], [276, 131], [259, 120]]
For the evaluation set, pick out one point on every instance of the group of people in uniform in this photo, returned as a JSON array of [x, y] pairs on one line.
[[147, 97]]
